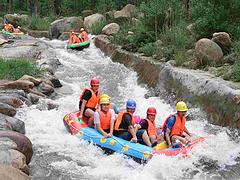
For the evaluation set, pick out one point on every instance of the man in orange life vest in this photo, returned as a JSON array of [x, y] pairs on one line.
[[124, 126], [149, 125], [89, 100], [174, 126], [104, 118]]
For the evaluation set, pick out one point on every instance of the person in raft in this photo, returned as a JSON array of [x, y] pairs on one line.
[[149, 125], [174, 126], [73, 38], [83, 35], [112, 105], [124, 126], [104, 118], [89, 100]]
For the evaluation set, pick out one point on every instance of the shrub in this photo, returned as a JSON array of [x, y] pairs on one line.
[[38, 23], [148, 49], [97, 27], [13, 69]]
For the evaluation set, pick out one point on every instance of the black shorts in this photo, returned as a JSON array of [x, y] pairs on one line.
[[127, 135], [80, 104]]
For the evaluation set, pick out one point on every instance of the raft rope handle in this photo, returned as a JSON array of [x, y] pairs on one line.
[[98, 137]]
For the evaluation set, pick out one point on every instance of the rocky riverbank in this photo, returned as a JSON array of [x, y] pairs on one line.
[[15, 148]]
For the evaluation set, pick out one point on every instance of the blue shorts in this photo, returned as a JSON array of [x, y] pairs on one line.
[[127, 135]]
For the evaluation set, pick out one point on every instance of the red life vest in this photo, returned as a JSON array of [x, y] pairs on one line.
[[105, 120], [178, 127], [152, 130], [93, 101], [119, 120]]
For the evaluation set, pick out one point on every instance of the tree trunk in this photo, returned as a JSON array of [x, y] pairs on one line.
[[36, 11], [56, 4], [93, 4], [187, 8], [21, 4], [10, 6], [33, 7]]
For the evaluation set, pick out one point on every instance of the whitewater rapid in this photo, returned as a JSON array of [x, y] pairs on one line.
[[59, 155]]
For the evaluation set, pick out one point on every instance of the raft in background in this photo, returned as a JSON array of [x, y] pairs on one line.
[[9, 33], [79, 127], [78, 46]]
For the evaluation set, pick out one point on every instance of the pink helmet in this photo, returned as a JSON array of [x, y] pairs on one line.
[[151, 111], [94, 82]]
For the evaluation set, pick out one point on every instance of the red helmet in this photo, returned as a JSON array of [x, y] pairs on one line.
[[151, 111], [94, 82]]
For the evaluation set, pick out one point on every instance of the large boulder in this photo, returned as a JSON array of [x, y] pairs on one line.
[[31, 79], [223, 40], [8, 172], [18, 84], [2, 41], [11, 100], [86, 13], [89, 21], [24, 145], [208, 52], [64, 25], [16, 20], [46, 88], [125, 13], [15, 124], [7, 109], [110, 29], [38, 34]]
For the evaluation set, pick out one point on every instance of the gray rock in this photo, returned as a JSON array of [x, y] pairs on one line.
[[7, 109], [16, 124], [11, 100], [64, 25]]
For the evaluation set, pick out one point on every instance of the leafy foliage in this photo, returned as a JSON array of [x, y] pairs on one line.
[[13, 69], [215, 15], [97, 27]]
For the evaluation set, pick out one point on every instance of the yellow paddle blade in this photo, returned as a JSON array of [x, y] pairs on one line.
[[162, 145]]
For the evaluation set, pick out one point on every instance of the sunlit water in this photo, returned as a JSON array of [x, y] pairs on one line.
[[59, 155]]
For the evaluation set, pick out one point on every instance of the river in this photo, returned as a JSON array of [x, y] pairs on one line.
[[61, 156]]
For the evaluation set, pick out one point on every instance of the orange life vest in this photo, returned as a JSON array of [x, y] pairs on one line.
[[119, 120], [178, 127], [105, 120], [9, 28], [152, 130], [93, 101]]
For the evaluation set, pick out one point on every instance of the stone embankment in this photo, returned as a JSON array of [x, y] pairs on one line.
[[15, 148], [218, 98]]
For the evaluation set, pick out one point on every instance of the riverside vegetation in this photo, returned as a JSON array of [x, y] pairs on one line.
[[165, 30]]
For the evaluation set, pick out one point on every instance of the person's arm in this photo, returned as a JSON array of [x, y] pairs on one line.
[[84, 102], [86, 96], [171, 121], [186, 130], [133, 133], [167, 135], [98, 127], [113, 117]]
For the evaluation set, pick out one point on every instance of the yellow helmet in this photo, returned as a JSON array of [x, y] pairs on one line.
[[105, 96], [104, 100], [82, 29], [181, 106]]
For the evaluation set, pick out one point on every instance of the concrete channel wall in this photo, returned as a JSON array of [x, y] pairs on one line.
[[218, 98]]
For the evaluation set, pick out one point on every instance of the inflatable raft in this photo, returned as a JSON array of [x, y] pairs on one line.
[[9, 33], [78, 46], [138, 151]]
